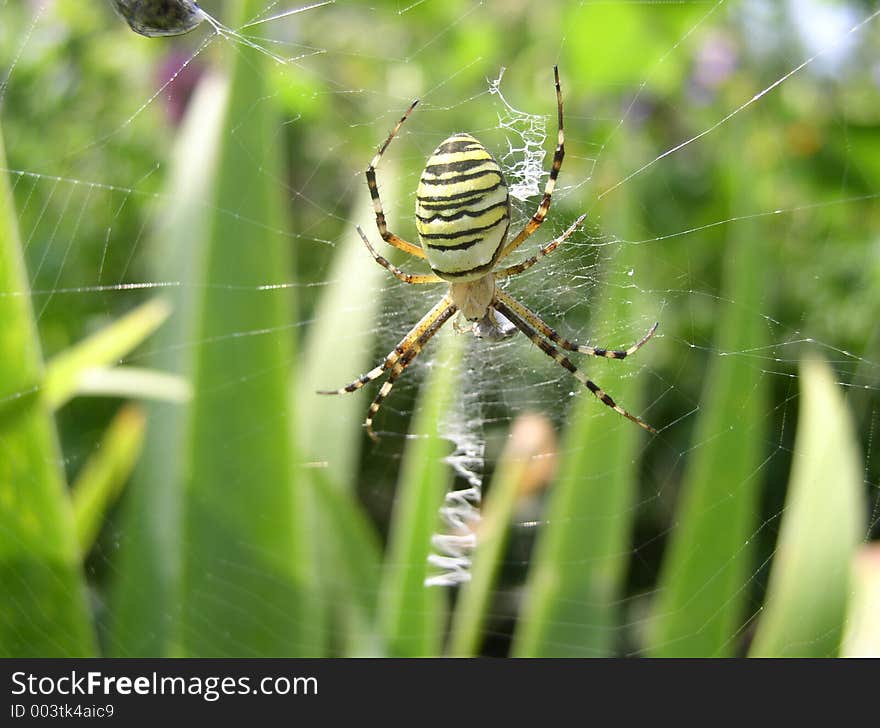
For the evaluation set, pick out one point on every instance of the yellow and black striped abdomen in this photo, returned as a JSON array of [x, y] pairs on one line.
[[462, 209]]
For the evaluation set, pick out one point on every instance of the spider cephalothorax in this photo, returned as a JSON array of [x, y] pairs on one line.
[[462, 217]]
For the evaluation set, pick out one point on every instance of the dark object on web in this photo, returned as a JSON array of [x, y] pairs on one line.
[[154, 18]]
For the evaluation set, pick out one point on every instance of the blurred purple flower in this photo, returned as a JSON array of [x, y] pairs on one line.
[[714, 62], [181, 73]]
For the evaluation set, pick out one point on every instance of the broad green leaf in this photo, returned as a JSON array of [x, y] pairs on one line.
[[529, 446], [822, 524], [43, 611], [66, 370], [703, 586], [245, 546], [144, 597], [411, 614], [105, 473]]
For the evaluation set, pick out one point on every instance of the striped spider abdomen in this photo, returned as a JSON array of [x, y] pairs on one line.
[[462, 209]]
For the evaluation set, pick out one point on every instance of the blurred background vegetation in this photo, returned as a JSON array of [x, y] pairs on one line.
[[178, 274]]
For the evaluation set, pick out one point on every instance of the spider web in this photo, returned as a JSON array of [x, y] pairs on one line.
[[639, 162]]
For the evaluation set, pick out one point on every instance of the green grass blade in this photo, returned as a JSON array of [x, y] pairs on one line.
[[332, 440], [574, 584], [245, 521], [105, 473], [65, 371], [531, 439], [350, 549], [43, 611], [703, 581], [823, 523], [133, 383], [144, 596], [411, 614], [348, 307]]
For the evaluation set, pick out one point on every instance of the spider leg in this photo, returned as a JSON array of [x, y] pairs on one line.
[[402, 347], [374, 373], [400, 366], [388, 236], [544, 207], [399, 274], [400, 357], [535, 321], [514, 270], [563, 361]]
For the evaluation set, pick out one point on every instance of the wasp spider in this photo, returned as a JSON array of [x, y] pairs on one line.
[[462, 217]]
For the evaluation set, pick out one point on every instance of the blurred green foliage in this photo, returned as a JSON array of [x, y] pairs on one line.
[[232, 538]]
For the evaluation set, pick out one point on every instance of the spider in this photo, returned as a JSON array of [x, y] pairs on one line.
[[462, 218]]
